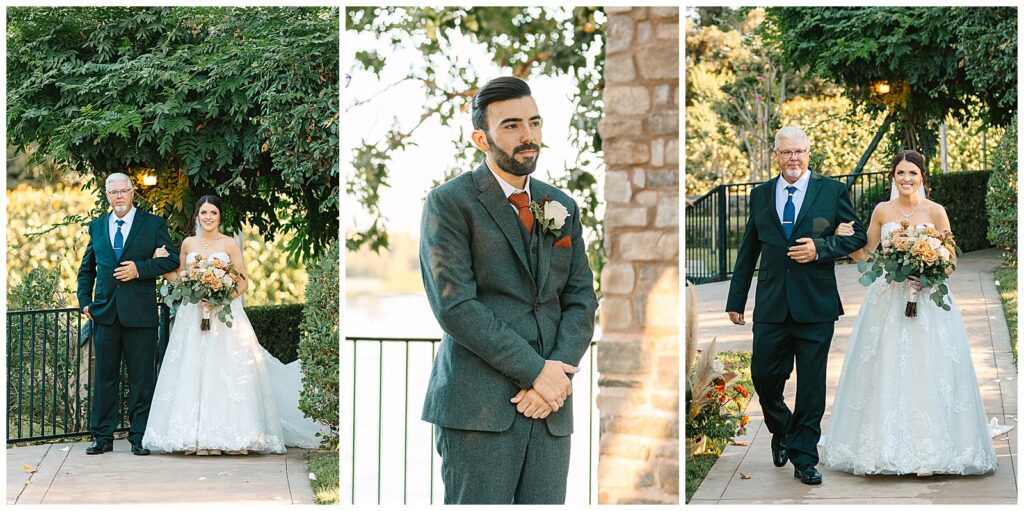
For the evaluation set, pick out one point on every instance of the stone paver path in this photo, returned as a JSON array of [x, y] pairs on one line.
[[66, 475], [976, 295]]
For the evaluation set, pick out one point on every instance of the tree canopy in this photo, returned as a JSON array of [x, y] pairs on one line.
[[524, 40], [237, 102], [920, 63]]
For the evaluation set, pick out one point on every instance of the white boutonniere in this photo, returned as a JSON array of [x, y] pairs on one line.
[[550, 214]]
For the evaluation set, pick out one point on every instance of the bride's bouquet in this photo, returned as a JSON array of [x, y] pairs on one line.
[[914, 251], [205, 278]]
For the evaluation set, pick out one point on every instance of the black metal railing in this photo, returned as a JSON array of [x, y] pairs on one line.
[[716, 222], [372, 437], [49, 374]]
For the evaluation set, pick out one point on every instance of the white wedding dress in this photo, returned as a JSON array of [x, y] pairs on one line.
[[908, 400], [219, 389]]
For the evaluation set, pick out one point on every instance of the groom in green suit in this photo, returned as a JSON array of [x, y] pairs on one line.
[[119, 262], [506, 274], [793, 218]]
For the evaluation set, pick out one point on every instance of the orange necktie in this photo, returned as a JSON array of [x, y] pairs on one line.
[[521, 201]]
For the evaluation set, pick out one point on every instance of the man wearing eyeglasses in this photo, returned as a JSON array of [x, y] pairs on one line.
[[792, 223], [117, 291]]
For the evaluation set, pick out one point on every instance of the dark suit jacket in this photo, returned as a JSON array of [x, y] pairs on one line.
[[131, 303], [806, 291], [500, 321]]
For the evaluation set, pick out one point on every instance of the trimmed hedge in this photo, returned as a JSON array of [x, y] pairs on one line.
[[277, 328], [961, 193], [1001, 201], [963, 196], [319, 347]]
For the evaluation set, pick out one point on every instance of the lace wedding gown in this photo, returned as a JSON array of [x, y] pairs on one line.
[[220, 389], [908, 400]]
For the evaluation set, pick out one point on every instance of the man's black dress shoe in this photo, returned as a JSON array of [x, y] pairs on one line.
[[779, 454], [807, 475], [99, 447], [139, 450]]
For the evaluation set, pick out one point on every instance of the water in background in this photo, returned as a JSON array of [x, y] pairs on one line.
[[388, 406]]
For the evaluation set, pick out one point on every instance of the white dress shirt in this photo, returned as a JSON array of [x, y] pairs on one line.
[[509, 189], [125, 229], [782, 195]]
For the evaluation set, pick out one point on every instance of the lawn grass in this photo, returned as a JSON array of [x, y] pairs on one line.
[[324, 465], [1006, 283], [697, 467]]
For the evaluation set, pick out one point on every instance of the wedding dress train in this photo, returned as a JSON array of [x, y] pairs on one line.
[[219, 389]]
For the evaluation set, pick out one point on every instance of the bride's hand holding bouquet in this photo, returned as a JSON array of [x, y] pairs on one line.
[[919, 254], [208, 281]]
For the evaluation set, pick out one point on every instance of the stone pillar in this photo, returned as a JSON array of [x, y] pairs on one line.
[[638, 354]]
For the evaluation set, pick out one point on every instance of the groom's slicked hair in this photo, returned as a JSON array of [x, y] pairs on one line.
[[499, 89]]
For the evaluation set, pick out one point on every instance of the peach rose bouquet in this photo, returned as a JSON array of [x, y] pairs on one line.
[[911, 252], [206, 278]]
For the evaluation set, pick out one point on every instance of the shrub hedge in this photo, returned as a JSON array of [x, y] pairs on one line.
[[277, 328], [1001, 200], [318, 348]]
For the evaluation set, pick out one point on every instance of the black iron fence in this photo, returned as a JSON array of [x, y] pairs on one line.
[[50, 371], [380, 435], [716, 221]]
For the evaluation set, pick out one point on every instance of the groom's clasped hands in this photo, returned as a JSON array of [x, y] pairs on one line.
[[549, 390]]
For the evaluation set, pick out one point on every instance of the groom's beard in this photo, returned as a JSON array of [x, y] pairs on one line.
[[121, 209], [509, 164]]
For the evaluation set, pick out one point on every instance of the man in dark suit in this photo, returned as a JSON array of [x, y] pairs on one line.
[[793, 218], [506, 274], [119, 263]]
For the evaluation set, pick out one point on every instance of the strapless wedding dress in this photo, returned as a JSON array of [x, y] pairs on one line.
[[908, 399], [219, 389]]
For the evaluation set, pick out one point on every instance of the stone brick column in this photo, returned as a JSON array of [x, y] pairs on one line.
[[638, 354]]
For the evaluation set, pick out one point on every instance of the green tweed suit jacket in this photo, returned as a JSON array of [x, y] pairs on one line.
[[501, 319]]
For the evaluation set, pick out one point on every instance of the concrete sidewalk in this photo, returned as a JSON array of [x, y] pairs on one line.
[[976, 295], [66, 475]]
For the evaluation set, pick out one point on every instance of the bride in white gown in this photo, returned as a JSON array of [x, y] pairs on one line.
[[219, 390], [908, 399]]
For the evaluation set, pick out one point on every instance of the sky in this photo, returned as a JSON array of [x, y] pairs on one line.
[[413, 170]]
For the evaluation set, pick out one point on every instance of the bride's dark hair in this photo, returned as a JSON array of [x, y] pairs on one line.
[[911, 156], [212, 200]]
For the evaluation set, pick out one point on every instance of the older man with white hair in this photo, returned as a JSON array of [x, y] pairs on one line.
[[117, 290], [792, 224]]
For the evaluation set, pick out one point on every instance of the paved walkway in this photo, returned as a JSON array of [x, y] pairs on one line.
[[976, 295], [66, 475]]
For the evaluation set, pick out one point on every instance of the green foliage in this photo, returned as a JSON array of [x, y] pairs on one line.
[[277, 328], [326, 485], [922, 53], [723, 49], [237, 102], [717, 429], [274, 278], [318, 348], [961, 193], [40, 289], [523, 41], [1006, 282], [1001, 199]]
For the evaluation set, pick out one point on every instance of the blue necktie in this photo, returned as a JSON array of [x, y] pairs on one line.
[[118, 240], [789, 213]]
